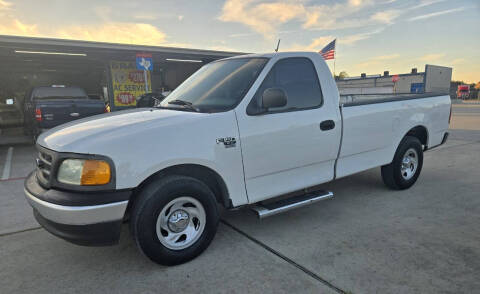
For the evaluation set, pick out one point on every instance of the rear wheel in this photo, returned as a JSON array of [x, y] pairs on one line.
[[174, 219], [406, 166]]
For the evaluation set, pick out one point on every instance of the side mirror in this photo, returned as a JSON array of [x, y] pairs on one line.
[[274, 97]]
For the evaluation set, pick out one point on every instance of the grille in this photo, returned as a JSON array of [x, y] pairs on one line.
[[44, 168]]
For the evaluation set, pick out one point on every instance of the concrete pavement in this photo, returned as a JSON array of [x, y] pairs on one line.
[[368, 239]]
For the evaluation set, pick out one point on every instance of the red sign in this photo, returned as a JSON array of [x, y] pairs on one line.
[[125, 98], [136, 77], [395, 78], [144, 55]]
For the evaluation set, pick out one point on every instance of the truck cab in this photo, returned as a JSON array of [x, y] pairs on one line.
[[463, 91]]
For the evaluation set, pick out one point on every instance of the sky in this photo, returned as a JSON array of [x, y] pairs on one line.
[[372, 35]]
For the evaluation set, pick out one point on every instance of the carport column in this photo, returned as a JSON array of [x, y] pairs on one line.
[[146, 80], [111, 99]]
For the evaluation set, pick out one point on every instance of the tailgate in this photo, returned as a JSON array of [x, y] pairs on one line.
[[59, 111]]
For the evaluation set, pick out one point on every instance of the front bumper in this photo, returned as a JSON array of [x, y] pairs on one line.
[[81, 218]]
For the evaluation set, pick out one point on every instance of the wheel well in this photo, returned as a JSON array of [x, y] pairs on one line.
[[421, 133], [208, 176]]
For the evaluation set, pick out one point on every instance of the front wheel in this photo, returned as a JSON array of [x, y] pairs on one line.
[[406, 166], [174, 219]]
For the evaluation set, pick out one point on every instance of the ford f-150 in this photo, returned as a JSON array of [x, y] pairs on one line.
[[240, 132]]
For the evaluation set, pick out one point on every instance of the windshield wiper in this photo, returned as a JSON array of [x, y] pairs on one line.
[[187, 104]]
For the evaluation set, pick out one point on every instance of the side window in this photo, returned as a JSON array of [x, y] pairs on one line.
[[298, 78]]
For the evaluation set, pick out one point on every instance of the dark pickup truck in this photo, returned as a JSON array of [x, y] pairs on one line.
[[48, 107]]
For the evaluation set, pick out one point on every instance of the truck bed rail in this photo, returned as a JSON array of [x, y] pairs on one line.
[[365, 99]]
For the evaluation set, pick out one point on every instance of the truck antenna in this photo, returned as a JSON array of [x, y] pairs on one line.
[[278, 45]]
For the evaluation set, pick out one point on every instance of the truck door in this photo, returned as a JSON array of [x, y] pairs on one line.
[[291, 147]]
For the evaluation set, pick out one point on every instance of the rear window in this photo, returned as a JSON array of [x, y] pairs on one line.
[[59, 93]]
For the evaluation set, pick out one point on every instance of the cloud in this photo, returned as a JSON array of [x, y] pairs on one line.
[[240, 35], [425, 3], [145, 16], [4, 5], [316, 44], [386, 57], [18, 28], [377, 60], [386, 17], [104, 31], [262, 18], [356, 3], [429, 15], [128, 33], [458, 61], [115, 32], [267, 18], [320, 42], [336, 16], [351, 39], [432, 57]]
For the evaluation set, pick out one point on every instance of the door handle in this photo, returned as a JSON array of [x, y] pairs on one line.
[[327, 125]]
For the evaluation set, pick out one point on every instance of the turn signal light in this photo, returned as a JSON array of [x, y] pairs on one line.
[[95, 172]]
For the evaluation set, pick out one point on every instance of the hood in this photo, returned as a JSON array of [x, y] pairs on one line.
[[80, 135]]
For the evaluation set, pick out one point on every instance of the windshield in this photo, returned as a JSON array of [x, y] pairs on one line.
[[58, 93], [217, 86]]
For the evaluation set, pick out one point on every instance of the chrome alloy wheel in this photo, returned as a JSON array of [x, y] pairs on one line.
[[180, 223], [409, 164]]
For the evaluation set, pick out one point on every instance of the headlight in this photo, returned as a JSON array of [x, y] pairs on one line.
[[84, 172]]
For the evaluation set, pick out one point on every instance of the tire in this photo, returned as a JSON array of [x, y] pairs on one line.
[[159, 215], [398, 176]]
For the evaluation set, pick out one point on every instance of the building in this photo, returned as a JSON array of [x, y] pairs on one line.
[[435, 79], [105, 70]]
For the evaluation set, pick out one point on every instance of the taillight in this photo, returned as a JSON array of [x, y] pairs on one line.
[[38, 114]]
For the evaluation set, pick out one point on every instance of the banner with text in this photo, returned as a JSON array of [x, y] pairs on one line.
[[127, 82]]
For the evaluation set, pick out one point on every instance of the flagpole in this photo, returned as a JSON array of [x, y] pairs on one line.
[[334, 58], [334, 66]]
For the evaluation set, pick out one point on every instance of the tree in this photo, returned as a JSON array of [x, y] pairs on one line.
[[341, 75]]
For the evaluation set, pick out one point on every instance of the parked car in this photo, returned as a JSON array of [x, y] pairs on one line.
[[150, 100], [241, 132], [10, 113], [48, 107]]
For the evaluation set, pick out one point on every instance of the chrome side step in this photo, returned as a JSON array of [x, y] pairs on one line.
[[266, 210]]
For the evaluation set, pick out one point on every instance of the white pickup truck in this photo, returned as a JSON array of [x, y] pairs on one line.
[[242, 131]]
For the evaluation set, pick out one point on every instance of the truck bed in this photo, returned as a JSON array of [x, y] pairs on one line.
[[385, 120], [60, 111]]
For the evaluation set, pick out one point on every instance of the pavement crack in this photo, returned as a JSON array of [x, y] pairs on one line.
[[285, 258], [18, 232]]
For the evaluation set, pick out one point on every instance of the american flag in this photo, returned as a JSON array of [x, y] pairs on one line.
[[328, 52]]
